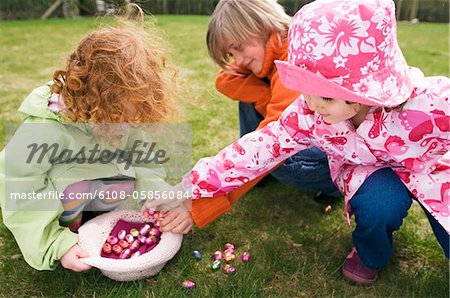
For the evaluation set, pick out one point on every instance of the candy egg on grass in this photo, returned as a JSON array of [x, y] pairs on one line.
[[228, 269], [230, 250], [188, 284], [228, 245], [197, 255], [245, 256], [217, 255], [216, 265], [228, 257]]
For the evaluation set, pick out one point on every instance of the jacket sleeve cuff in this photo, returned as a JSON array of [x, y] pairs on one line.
[[64, 243], [206, 210]]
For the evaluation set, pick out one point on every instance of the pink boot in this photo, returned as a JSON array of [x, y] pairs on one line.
[[356, 271]]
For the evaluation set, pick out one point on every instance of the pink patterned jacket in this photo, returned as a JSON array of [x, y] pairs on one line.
[[413, 141]]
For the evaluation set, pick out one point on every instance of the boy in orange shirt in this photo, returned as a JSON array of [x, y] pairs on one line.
[[244, 38]]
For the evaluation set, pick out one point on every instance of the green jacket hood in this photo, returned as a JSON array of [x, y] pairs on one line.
[[36, 104]]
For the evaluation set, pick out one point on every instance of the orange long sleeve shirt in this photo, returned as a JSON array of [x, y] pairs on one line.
[[270, 98]]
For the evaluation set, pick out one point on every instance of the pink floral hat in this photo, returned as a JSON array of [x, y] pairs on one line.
[[347, 49]]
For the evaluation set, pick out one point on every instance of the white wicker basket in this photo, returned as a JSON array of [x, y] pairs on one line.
[[93, 234]]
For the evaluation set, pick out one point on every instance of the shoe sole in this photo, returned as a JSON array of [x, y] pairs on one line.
[[357, 279]]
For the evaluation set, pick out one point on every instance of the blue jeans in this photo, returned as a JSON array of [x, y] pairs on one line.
[[379, 206], [307, 169]]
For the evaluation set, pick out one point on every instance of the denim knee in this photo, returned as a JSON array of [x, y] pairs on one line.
[[377, 213], [249, 118], [382, 199], [379, 207]]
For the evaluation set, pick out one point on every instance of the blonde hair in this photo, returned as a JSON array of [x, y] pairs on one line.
[[240, 20], [116, 75]]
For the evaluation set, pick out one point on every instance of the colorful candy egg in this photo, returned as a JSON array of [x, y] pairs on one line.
[[149, 213], [144, 230], [217, 255], [125, 254], [228, 269], [245, 257], [129, 238], [188, 284], [231, 250], [228, 246], [216, 264], [151, 240], [123, 243], [142, 238], [117, 249], [107, 248], [121, 235], [134, 232], [228, 257], [135, 245], [154, 232], [197, 255], [112, 240]]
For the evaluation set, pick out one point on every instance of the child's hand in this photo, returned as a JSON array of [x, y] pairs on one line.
[[176, 221], [71, 260]]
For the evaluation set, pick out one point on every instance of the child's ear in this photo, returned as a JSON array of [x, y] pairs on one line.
[[355, 106]]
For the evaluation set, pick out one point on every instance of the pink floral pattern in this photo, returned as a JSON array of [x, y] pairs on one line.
[[352, 44]]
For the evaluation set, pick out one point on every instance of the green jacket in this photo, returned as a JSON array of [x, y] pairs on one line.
[[35, 223]]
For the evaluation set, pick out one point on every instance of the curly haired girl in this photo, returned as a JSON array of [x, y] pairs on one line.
[[114, 79]]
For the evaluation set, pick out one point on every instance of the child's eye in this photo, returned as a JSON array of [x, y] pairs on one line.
[[327, 98]]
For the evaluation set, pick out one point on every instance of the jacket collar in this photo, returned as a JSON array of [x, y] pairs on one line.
[[275, 50]]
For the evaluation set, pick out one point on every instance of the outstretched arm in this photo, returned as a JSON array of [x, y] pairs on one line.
[[253, 155]]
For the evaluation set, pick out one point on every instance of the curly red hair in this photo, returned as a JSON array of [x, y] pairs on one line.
[[115, 75]]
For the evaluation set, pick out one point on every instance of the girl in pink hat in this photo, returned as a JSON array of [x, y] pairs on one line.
[[383, 125]]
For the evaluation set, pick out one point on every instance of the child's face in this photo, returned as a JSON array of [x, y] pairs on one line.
[[249, 55], [333, 110]]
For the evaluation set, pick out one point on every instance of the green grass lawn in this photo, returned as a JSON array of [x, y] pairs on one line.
[[297, 250]]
